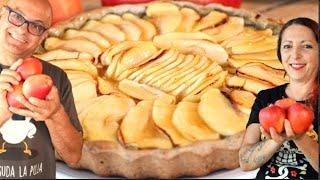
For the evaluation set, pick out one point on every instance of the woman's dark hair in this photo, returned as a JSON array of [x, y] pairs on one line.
[[309, 23]]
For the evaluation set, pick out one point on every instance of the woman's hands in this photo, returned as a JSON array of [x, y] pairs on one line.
[[286, 136]]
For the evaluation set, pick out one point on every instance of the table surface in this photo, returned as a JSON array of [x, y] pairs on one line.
[[64, 172]]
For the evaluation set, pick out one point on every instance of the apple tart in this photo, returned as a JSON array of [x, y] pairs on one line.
[[164, 89]]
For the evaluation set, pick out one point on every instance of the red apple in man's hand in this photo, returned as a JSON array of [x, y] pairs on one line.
[[272, 116], [11, 96], [285, 103], [30, 66], [300, 117], [37, 86]]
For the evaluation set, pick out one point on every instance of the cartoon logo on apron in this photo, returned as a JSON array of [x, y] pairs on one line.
[[16, 131], [287, 157]]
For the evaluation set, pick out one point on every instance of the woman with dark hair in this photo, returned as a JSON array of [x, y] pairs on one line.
[[288, 155]]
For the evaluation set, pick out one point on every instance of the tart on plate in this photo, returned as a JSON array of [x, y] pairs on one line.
[[164, 89]]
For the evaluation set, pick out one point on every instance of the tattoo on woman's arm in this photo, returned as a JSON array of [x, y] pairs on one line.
[[255, 148]]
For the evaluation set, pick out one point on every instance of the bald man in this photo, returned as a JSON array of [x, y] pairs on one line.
[[54, 124]]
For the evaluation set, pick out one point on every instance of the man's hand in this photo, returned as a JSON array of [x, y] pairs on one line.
[[66, 140], [8, 77], [286, 136], [40, 110]]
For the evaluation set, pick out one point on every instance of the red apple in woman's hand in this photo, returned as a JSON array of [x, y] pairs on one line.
[[300, 117], [30, 66], [285, 103], [11, 96], [37, 86], [272, 116]]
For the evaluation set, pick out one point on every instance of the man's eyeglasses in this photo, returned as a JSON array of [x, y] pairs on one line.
[[18, 20]]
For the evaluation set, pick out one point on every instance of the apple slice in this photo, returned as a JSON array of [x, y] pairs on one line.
[[162, 114], [82, 106], [136, 56], [85, 90], [190, 60], [75, 82], [92, 36], [59, 54], [238, 63], [243, 98], [163, 61], [243, 109], [210, 20], [218, 113], [269, 43], [83, 109], [263, 72], [189, 19], [179, 80], [188, 122], [209, 76], [73, 75], [154, 76], [72, 64], [187, 60], [255, 85], [165, 40], [138, 129], [132, 31], [215, 52], [107, 87], [127, 73], [211, 81], [157, 61], [144, 92], [108, 55], [111, 32], [147, 28], [231, 28], [249, 35], [80, 45], [196, 79], [166, 16], [110, 73], [103, 125], [235, 82], [266, 55]]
